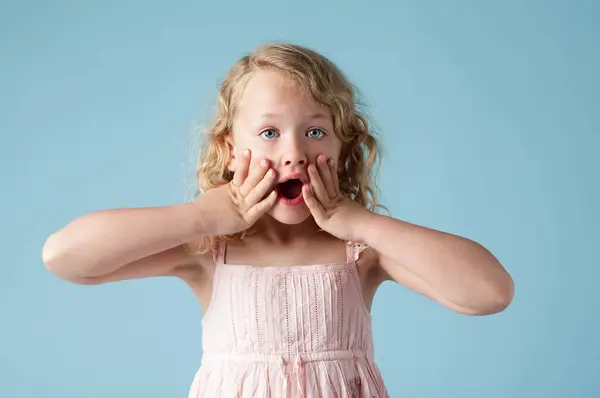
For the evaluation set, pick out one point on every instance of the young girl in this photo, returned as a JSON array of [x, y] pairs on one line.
[[284, 247]]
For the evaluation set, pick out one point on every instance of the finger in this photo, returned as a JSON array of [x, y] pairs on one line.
[[317, 184], [254, 177], [326, 177], [333, 164], [260, 190], [256, 211], [315, 207], [242, 172]]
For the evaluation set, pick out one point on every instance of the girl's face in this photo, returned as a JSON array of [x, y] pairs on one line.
[[278, 122]]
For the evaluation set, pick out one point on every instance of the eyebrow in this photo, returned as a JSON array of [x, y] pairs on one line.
[[317, 115]]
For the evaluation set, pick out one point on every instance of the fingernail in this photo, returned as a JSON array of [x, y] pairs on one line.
[[246, 153], [263, 163]]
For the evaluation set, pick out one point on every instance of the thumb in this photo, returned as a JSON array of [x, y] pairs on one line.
[[313, 204]]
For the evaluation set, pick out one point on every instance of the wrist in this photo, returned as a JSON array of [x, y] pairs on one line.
[[365, 227], [201, 222]]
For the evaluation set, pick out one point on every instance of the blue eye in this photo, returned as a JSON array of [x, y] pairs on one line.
[[269, 134], [315, 133]]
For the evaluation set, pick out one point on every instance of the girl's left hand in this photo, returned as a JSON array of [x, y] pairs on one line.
[[333, 212]]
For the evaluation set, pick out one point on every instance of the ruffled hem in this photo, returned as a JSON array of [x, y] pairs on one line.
[[325, 379]]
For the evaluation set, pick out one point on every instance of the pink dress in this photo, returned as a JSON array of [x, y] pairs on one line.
[[298, 331]]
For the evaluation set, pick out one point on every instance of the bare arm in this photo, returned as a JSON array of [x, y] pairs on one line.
[[118, 244], [455, 271], [124, 243]]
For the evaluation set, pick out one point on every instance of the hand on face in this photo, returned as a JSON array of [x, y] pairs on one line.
[[253, 193], [333, 212], [246, 198]]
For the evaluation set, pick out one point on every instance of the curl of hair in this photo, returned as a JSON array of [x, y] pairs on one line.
[[318, 77]]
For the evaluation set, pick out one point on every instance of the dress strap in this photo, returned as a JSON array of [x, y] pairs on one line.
[[219, 251], [353, 250]]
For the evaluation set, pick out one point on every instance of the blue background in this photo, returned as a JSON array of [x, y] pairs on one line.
[[490, 117]]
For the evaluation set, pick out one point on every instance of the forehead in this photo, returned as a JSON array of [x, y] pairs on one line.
[[271, 93]]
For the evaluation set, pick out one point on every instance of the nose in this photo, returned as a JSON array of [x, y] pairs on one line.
[[294, 154]]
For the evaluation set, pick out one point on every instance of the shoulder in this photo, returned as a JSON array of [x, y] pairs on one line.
[[367, 261], [198, 264], [361, 253]]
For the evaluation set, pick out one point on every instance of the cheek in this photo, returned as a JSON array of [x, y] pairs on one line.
[[330, 152], [257, 152]]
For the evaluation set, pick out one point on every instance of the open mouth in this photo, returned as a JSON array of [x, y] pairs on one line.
[[290, 189]]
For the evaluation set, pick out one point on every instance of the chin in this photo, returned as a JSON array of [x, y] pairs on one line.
[[290, 215]]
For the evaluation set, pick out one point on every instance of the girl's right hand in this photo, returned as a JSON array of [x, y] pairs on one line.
[[236, 206]]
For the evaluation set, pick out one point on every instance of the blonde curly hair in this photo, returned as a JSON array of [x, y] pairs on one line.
[[326, 84]]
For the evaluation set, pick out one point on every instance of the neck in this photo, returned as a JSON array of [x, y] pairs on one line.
[[270, 229]]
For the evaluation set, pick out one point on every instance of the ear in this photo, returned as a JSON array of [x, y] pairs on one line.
[[231, 152]]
